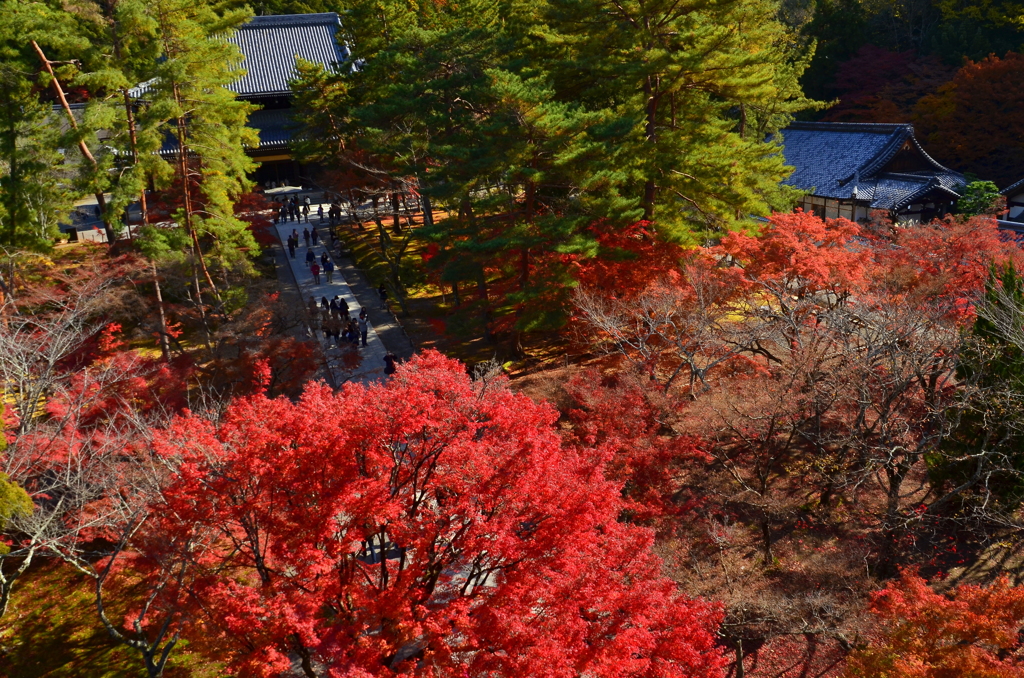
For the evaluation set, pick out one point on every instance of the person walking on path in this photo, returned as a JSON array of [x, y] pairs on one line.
[[291, 246], [315, 269], [320, 213], [305, 236], [383, 292], [364, 328], [329, 270], [314, 236], [324, 259], [305, 211], [389, 363], [310, 258]]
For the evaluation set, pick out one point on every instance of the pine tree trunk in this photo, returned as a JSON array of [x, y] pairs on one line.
[[187, 197], [101, 200], [651, 134], [428, 211], [165, 348]]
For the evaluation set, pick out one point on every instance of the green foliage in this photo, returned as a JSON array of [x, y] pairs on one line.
[[14, 501], [530, 121], [36, 169], [979, 197], [993, 364]]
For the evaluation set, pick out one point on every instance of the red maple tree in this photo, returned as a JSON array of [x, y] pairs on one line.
[[428, 526]]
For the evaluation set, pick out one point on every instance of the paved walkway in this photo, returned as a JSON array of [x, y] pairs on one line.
[[370, 365]]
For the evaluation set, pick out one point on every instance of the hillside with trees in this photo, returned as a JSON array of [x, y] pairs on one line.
[[658, 422]]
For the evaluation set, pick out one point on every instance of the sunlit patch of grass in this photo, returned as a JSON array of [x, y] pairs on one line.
[[51, 630]]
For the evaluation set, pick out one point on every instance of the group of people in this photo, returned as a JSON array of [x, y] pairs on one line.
[[331, 316], [335, 322], [292, 210], [325, 265]]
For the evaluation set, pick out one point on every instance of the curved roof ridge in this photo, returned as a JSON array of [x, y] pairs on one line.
[[873, 165], [934, 163], [1013, 187]]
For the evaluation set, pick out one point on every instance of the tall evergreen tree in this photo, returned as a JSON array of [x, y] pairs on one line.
[[680, 77], [37, 171], [208, 126]]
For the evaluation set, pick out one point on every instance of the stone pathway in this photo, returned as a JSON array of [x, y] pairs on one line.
[[370, 367]]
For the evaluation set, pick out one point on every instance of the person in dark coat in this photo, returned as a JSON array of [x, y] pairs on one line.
[[314, 236], [329, 270], [305, 236], [291, 246], [383, 292], [389, 363], [310, 258]]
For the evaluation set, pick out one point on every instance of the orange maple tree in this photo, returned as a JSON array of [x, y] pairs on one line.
[[973, 632]]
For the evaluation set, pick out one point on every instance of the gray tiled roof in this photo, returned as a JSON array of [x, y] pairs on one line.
[[275, 127], [271, 44], [892, 191], [1012, 188], [833, 159]]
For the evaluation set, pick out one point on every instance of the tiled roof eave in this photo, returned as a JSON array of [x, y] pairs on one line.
[[924, 190], [1013, 187]]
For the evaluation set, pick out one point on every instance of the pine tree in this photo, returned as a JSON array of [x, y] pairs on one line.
[[208, 125], [679, 77], [36, 177], [992, 368]]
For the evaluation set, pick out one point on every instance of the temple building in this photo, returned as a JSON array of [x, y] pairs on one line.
[[270, 47], [851, 169], [1014, 217]]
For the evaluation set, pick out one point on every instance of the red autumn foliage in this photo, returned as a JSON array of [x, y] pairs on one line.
[[630, 258], [616, 418], [253, 209], [946, 261], [975, 122], [973, 631], [803, 252], [878, 85], [426, 526]]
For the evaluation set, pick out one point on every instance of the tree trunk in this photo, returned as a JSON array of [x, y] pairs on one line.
[[187, 197], [651, 134], [165, 348], [428, 211], [396, 221], [101, 200]]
